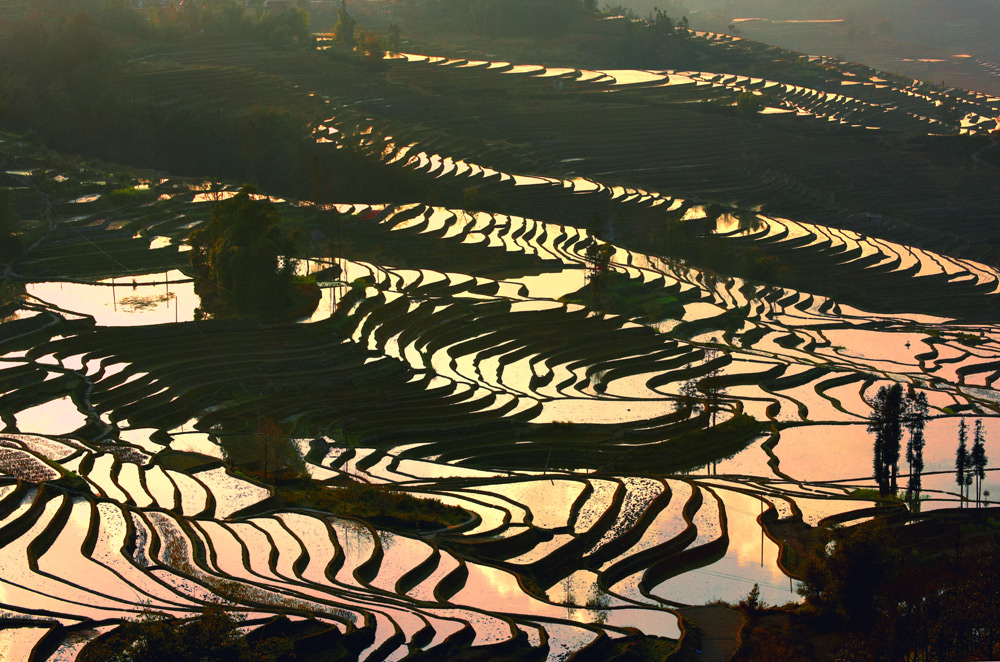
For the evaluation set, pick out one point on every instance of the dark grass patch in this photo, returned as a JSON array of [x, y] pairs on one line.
[[381, 506], [616, 293], [697, 448]]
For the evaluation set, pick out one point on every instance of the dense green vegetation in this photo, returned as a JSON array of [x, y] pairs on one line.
[[382, 506], [243, 261], [874, 593]]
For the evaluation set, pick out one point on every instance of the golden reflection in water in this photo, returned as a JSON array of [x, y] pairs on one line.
[[159, 298], [747, 543]]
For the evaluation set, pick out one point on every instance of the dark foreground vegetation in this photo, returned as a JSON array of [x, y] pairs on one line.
[[878, 592], [212, 637]]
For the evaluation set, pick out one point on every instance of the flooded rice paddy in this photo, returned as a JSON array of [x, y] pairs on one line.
[[484, 361]]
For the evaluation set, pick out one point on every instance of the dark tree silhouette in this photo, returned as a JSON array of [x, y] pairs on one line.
[[270, 454], [886, 423], [688, 397], [978, 459], [916, 419], [213, 637], [598, 258], [240, 257], [371, 45], [393, 40], [713, 392], [849, 575], [963, 461], [343, 31]]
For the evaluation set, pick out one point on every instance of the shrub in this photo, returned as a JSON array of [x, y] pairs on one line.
[[849, 574], [269, 453], [374, 503], [753, 602], [131, 194], [749, 104], [213, 637]]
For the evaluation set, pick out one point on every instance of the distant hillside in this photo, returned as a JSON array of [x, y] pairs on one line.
[[957, 43]]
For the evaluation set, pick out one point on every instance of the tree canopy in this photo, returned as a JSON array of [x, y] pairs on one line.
[[891, 414], [916, 419], [978, 459], [848, 575], [886, 423], [270, 453], [346, 25], [963, 461], [241, 258], [899, 605]]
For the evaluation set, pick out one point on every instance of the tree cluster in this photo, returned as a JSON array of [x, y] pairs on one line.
[[970, 466], [60, 81], [748, 104], [897, 607], [502, 18], [892, 413], [62, 72], [705, 391], [598, 258], [241, 258], [270, 453], [211, 19], [656, 41], [228, 19], [343, 32], [369, 45]]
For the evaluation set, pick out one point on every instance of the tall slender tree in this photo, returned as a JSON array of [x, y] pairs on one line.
[[343, 31], [712, 391], [886, 423], [688, 397], [916, 418], [962, 459], [393, 40], [979, 459]]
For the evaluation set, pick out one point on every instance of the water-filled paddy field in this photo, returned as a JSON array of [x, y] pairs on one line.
[[622, 440]]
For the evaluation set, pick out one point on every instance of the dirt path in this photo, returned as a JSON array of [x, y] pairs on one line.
[[720, 628]]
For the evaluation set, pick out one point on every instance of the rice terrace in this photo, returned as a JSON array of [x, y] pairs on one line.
[[488, 330]]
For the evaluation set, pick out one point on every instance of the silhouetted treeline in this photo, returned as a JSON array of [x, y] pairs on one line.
[[210, 18], [59, 83], [503, 18], [898, 603], [658, 41], [972, 25]]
